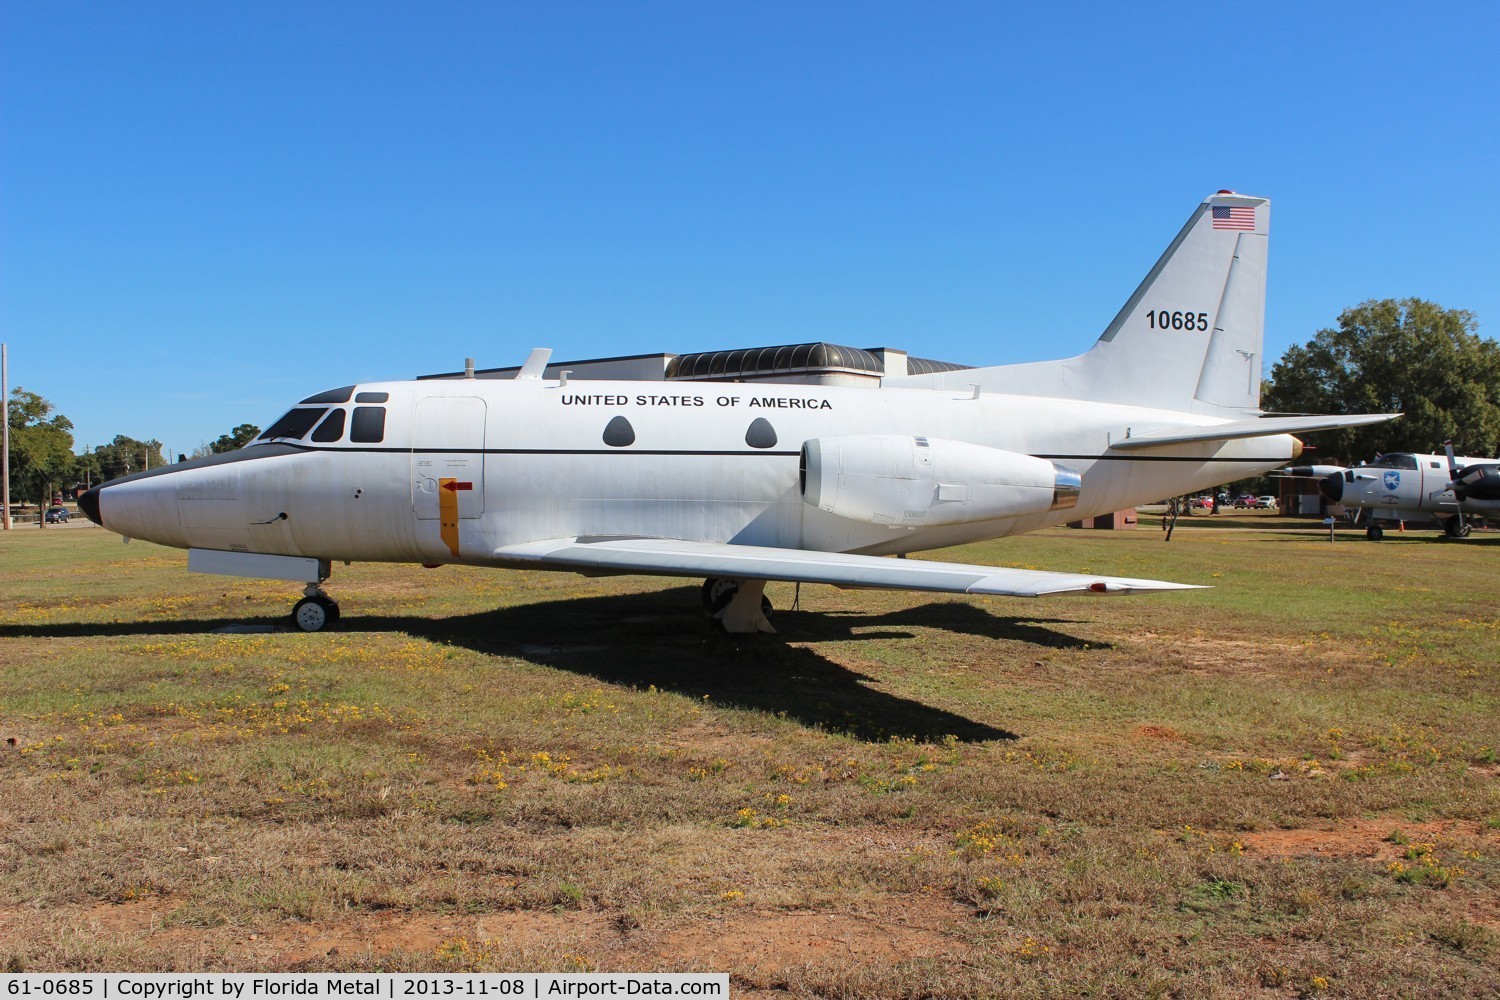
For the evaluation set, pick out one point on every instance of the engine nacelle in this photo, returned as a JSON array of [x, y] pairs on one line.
[[1479, 482], [1308, 472], [918, 481]]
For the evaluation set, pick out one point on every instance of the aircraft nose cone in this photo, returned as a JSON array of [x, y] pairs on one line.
[[1332, 487], [89, 504]]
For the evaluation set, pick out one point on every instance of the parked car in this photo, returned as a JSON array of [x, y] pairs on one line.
[[1268, 503], [57, 515], [1206, 502], [1244, 500]]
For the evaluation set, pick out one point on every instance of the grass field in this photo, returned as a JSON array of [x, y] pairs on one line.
[[1284, 786]]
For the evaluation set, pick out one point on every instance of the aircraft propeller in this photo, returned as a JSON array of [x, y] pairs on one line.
[[1460, 528], [1472, 482]]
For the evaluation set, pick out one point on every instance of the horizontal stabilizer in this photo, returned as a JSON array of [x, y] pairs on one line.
[[1261, 427], [677, 557]]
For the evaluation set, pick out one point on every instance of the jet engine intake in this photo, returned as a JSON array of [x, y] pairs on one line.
[[918, 481]]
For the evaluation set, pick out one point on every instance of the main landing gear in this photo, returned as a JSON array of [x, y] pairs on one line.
[[315, 610], [738, 606], [1374, 532]]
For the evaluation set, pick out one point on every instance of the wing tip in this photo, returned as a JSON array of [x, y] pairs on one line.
[[1121, 588]]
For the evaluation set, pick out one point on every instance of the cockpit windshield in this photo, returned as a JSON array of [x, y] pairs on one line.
[[1393, 462], [295, 423], [366, 424]]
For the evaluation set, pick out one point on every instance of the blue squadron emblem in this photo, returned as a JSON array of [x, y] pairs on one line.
[[1392, 480]]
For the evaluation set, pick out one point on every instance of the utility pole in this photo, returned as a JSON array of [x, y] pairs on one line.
[[5, 430]]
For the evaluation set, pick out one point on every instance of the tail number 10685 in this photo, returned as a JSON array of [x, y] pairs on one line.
[[1161, 319]]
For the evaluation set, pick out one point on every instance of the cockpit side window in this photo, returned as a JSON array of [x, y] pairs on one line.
[[1395, 462], [332, 427], [294, 423], [368, 425]]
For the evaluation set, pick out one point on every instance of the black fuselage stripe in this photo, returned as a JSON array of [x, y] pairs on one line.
[[782, 454], [283, 449]]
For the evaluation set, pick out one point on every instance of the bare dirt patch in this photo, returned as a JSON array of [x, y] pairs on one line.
[[1205, 655], [757, 945], [1357, 838], [760, 945]]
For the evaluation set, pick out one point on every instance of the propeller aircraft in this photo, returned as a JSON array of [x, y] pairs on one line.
[[1408, 487]]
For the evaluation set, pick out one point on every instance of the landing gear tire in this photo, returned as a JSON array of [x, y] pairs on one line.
[[718, 592], [1456, 528], [312, 613], [1374, 533]]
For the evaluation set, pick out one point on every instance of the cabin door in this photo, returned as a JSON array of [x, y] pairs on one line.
[[447, 463]]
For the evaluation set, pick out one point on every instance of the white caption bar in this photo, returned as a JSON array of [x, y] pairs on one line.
[[391, 986]]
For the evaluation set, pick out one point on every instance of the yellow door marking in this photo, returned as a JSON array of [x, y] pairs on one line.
[[448, 511]]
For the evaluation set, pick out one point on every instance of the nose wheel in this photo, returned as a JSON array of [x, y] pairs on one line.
[[315, 610]]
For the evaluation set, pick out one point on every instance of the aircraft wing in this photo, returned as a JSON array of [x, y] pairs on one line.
[[677, 557], [1260, 427]]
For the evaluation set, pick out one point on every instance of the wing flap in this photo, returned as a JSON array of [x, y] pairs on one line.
[[678, 557], [1261, 427]]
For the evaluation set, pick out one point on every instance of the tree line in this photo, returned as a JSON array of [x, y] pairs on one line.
[[1406, 356], [1396, 355], [43, 463]]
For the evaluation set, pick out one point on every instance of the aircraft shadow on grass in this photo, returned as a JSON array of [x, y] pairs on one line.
[[661, 638]]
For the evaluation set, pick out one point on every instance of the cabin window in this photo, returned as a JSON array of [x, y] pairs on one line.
[[332, 427], [761, 434], [339, 395], [372, 397], [368, 425], [619, 434], [294, 423]]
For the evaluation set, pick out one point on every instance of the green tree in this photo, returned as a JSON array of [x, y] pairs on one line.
[[125, 455], [235, 439], [86, 469], [41, 448], [1391, 355]]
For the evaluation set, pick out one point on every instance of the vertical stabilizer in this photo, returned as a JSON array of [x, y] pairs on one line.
[[1190, 336]]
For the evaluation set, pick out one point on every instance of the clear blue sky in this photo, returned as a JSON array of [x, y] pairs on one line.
[[210, 210]]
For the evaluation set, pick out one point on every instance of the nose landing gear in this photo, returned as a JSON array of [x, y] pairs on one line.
[[315, 610]]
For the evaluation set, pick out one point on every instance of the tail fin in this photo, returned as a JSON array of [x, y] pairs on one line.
[[1190, 338]]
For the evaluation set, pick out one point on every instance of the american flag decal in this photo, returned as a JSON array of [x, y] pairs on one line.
[[1234, 217]]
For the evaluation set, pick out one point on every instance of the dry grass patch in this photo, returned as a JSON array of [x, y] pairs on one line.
[[1261, 788]]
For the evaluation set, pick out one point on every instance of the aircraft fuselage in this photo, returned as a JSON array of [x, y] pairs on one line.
[[466, 466], [1415, 487]]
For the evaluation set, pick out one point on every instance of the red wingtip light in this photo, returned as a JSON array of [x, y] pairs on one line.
[[1225, 191], [1099, 588]]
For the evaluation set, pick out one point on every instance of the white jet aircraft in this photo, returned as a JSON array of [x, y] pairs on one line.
[[1408, 487], [745, 483]]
